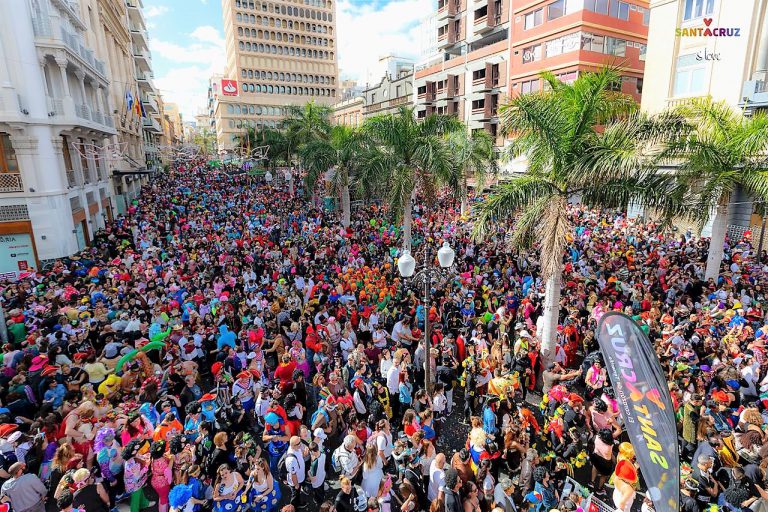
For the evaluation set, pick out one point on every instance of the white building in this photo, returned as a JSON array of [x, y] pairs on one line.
[[53, 99]]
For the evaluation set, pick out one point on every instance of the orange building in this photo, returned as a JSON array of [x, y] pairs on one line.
[[490, 50], [569, 36]]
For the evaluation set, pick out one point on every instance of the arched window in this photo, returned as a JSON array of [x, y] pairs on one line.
[[240, 31], [239, 17], [232, 124], [230, 109], [244, 73], [270, 89], [248, 46], [251, 88], [258, 110], [253, 19], [250, 73], [251, 110], [241, 45]]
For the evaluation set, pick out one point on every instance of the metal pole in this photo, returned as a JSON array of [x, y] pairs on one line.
[[760, 244], [3, 327], [427, 344]]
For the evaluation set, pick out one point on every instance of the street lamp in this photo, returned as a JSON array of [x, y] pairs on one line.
[[406, 265]]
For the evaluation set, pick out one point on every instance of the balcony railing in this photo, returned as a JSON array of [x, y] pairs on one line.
[[55, 106], [83, 112], [97, 117], [10, 182], [72, 178]]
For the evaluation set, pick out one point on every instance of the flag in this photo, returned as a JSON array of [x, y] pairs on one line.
[[138, 105], [128, 99], [143, 110], [645, 404]]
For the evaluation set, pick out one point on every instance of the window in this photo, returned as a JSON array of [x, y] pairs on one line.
[[8, 162], [556, 9], [623, 13], [697, 8], [398, 91], [617, 47], [251, 88], [564, 44], [615, 86], [529, 86], [639, 86], [646, 15], [478, 75], [643, 51], [534, 18], [689, 76], [593, 43], [598, 6], [478, 104], [532, 53]]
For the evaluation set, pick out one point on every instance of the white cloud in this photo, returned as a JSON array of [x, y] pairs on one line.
[[368, 31], [186, 80], [154, 11]]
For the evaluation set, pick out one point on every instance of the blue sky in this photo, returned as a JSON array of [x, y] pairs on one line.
[[186, 39]]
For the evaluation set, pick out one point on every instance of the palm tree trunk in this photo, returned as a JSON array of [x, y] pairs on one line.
[[464, 197], [719, 228], [407, 223], [551, 315], [346, 213]]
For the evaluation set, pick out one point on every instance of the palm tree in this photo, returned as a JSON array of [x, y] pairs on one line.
[[344, 155], [306, 123], [581, 140], [413, 155], [275, 140], [471, 154], [723, 151]]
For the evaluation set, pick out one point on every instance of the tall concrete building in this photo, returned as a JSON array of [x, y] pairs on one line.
[[279, 53], [493, 49]]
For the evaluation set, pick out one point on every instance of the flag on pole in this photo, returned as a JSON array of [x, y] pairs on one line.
[[143, 110], [128, 99], [138, 105]]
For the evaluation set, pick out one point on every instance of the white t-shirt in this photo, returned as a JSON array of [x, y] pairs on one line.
[[436, 481], [399, 330], [384, 444], [294, 463], [393, 380], [320, 475]]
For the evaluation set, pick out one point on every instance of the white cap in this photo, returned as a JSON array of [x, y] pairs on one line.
[[320, 434]]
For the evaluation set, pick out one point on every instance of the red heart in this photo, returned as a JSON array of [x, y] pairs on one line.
[[707, 21]]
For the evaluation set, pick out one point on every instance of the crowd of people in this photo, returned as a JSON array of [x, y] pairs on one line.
[[225, 345]]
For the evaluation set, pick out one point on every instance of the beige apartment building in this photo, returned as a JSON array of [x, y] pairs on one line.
[[279, 53], [717, 48], [349, 112], [689, 58]]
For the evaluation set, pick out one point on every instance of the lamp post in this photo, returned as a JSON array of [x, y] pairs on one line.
[[406, 265]]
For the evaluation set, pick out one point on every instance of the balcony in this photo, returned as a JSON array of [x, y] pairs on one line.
[[10, 182], [755, 92], [139, 36], [142, 59], [151, 125], [83, 112], [48, 36], [73, 178], [135, 14], [150, 104], [145, 82], [55, 106], [446, 10]]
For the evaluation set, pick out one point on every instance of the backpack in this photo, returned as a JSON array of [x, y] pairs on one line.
[[282, 467], [336, 465]]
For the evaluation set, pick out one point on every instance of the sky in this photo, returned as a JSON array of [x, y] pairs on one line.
[[187, 42]]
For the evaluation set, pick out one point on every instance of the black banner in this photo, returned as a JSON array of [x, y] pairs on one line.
[[645, 404]]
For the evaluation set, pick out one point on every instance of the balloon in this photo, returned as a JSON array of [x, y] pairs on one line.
[[152, 345], [226, 337], [127, 357], [160, 336]]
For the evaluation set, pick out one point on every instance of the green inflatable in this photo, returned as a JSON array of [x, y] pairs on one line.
[[127, 357]]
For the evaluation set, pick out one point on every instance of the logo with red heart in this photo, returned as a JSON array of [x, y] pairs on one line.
[[707, 21]]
